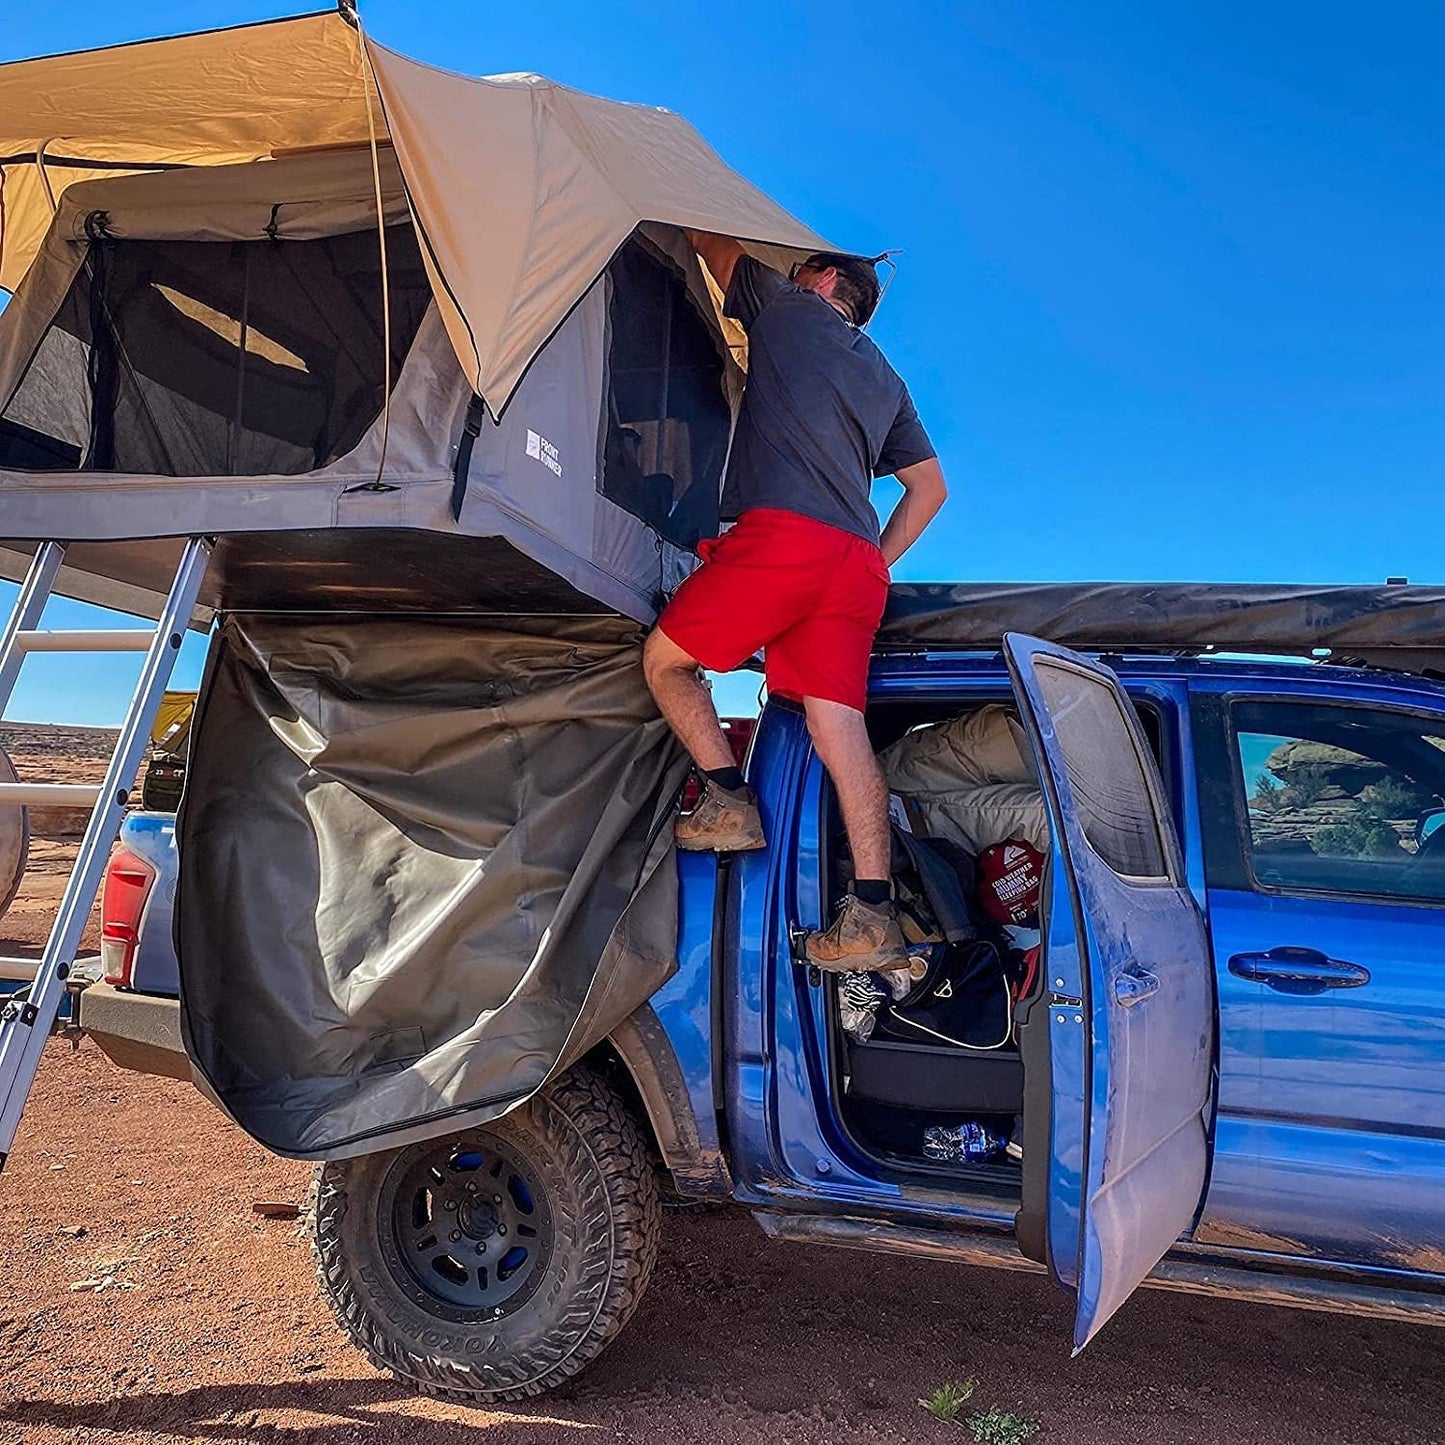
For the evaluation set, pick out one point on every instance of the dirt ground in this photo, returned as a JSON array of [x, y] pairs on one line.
[[144, 1300], [43, 753], [180, 1315]]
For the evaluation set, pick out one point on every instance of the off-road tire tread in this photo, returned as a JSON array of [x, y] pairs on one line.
[[605, 1142]]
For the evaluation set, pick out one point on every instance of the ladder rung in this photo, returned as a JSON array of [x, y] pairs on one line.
[[18, 970], [100, 639], [49, 795]]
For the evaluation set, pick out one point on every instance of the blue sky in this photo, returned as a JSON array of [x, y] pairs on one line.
[[1169, 302]]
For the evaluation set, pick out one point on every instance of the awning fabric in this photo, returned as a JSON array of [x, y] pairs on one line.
[[523, 189], [1396, 626]]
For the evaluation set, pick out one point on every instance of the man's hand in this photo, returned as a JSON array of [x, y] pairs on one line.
[[721, 253], [924, 492]]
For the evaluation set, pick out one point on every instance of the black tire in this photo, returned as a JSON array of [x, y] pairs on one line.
[[434, 1316], [675, 1203]]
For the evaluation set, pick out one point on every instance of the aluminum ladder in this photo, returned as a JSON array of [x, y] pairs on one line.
[[27, 1018]]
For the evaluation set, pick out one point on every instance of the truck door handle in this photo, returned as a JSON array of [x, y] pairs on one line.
[[1298, 970], [1134, 984]]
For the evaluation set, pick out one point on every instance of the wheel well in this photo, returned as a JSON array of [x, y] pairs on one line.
[[608, 1062], [638, 1061]]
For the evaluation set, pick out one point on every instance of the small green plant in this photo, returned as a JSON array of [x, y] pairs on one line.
[[948, 1399], [1001, 1427], [1360, 837], [1268, 795], [1306, 784]]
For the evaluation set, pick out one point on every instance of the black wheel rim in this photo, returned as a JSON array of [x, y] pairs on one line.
[[470, 1226]]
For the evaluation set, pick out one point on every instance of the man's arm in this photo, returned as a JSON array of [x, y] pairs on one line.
[[924, 492], [721, 253]]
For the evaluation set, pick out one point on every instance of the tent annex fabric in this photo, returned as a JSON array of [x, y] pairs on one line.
[[522, 188], [425, 865]]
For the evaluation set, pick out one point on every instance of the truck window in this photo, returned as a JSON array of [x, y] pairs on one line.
[[1341, 799], [1106, 772]]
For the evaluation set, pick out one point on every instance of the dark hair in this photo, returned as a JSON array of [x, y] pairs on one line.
[[857, 286]]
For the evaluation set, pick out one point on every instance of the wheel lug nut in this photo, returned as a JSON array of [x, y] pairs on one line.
[[501, 1229], [456, 1235], [481, 1249], [496, 1199], [471, 1188], [451, 1204]]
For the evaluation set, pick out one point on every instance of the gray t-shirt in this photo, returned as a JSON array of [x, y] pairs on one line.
[[823, 414]]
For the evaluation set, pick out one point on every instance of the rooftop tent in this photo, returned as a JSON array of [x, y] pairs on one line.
[[226, 323], [204, 305], [402, 341]]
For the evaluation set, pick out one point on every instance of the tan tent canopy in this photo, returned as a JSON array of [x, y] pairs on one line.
[[223, 96], [522, 189]]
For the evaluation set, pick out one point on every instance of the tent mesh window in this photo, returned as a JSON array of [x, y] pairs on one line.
[[204, 358], [667, 419]]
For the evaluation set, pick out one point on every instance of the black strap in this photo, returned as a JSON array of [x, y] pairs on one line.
[[471, 429], [942, 870]]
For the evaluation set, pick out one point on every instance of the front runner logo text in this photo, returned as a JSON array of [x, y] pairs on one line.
[[545, 452]]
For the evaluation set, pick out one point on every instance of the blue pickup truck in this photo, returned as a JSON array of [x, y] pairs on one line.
[[1229, 1071]]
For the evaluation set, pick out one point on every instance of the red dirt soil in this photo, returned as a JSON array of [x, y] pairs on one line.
[[45, 753], [212, 1328]]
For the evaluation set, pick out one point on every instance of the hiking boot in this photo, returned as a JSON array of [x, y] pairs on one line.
[[722, 822], [863, 938]]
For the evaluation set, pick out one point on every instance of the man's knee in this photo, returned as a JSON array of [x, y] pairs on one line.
[[830, 723], [661, 655]]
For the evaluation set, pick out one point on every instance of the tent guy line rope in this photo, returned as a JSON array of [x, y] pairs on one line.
[[368, 73], [45, 175]]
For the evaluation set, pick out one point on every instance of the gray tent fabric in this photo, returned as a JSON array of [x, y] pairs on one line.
[[1393, 626], [426, 863]]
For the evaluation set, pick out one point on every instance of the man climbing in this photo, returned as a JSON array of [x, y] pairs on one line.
[[804, 573]]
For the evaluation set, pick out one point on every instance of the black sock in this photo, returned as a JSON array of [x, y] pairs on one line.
[[729, 778], [872, 891]]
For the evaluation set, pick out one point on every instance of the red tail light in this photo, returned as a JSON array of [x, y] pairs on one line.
[[128, 882]]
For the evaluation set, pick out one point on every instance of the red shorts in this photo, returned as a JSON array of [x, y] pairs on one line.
[[810, 595]]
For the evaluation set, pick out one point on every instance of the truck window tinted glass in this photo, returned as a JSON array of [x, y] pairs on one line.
[[1342, 800], [1105, 771]]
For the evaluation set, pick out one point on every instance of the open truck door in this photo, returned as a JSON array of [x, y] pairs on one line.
[[1127, 1043]]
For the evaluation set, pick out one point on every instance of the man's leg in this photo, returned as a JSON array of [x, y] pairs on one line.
[[682, 697], [866, 934], [840, 737], [726, 818]]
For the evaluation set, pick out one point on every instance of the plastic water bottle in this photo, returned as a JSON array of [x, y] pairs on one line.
[[966, 1143]]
